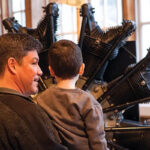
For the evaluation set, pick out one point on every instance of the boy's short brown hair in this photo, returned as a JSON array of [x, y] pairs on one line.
[[65, 58]]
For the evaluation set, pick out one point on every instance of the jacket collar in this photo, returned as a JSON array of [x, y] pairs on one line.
[[13, 92]]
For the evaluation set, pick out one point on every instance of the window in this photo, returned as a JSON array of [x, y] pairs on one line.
[[69, 16], [18, 11], [143, 43], [67, 23], [103, 16], [143, 27], [69, 19], [3, 14], [10, 8]]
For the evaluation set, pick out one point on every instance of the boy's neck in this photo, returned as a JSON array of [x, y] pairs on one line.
[[66, 83]]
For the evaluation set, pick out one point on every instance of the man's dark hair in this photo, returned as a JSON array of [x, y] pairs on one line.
[[16, 45], [65, 58]]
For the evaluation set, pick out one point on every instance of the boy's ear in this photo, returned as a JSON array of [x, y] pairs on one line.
[[12, 65], [81, 71], [51, 71]]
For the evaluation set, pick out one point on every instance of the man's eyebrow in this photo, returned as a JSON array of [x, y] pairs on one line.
[[36, 58]]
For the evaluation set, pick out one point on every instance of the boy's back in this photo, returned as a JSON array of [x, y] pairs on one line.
[[77, 116]]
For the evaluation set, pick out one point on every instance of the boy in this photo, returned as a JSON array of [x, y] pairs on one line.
[[75, 113]]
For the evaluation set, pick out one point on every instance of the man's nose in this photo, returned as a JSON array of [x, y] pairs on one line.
[[39, 71]]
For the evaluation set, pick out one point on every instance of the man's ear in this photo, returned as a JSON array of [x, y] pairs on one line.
[[51, 71], [81, 70], [12, 65]]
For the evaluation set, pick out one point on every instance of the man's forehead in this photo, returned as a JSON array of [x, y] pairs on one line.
[[32, 54]]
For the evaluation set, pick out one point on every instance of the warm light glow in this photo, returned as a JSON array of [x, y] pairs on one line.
[[76, 3]]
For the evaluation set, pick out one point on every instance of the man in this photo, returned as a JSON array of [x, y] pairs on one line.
[[23, 125]]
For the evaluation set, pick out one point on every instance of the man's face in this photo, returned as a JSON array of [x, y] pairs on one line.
[[28, 73]]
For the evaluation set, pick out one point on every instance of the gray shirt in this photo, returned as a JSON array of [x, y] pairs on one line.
[[77, 116]]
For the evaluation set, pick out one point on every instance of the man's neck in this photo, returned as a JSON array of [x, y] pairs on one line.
[[8, 84]]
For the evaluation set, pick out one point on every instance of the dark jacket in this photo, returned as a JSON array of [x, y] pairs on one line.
[[24, 125]]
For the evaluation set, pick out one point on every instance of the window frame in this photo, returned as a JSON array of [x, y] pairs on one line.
[[140, 25]]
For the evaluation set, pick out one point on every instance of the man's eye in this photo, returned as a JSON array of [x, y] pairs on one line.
[[34, 63]]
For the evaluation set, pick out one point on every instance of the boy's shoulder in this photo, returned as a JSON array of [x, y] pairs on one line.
[[87, 93], [46, 93], [77, 91]]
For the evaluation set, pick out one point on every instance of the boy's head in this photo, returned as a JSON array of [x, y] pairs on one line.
[[65, 59]]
